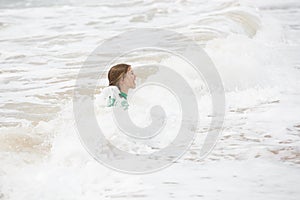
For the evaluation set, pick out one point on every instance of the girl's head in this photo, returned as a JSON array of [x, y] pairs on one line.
[[122, 76]]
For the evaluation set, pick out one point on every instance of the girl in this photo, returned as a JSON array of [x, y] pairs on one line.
[[121, 79]]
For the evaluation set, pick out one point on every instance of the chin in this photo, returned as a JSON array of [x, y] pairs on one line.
[[133, 86]]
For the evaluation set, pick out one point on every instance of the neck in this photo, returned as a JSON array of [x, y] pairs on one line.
[[124, 89]]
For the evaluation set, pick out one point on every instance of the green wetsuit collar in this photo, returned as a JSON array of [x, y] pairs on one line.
[[124, 95]]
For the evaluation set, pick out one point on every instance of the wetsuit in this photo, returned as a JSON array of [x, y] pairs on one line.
[[111, 96]]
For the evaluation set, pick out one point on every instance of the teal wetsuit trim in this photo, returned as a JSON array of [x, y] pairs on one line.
[[111, 101], [124, 95]]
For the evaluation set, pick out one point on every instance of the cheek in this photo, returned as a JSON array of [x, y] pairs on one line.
[[128, 80]]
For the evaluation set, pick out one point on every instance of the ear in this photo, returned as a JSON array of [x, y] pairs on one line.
[[121, 80]]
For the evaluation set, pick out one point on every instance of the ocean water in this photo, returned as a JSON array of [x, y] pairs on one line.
[[255, 47]]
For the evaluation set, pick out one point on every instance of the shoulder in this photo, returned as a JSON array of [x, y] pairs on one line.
[[107, 96], [110, 90]]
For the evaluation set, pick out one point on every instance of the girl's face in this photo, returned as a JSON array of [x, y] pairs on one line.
[[129, 79]]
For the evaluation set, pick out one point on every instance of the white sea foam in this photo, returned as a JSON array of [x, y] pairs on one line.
[[43, 46]]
